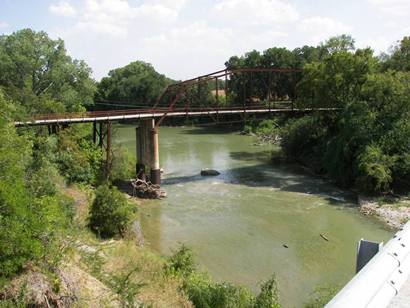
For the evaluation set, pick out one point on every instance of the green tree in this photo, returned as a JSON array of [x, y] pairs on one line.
[[248, 87], [399, 57], [306, 54], [18, 242], [135, 85], [36, 72], [365, 141], [337, 79], [29, 223], [339, 43]]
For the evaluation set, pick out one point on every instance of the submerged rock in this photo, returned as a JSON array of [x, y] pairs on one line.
[[209, 172]]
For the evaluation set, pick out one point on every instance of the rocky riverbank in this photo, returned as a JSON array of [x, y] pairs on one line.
[[395, 212]]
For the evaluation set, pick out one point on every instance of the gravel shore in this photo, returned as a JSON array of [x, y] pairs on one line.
[[395, 213]]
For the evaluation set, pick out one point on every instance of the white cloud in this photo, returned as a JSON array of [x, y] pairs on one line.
[[184, 38], [197, 44], [111, 33], [117, 18], [3, 24], [392, 7], [255, 12], [199, 48], [320, 28], [377, 43], [62, 8], [171, 4]]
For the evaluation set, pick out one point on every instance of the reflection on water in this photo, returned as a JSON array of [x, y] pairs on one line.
[[237, 222]]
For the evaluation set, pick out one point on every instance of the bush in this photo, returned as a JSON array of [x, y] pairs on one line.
[[299, 136], [79, 160], [44, 175], [110, 213], [321, 296], [250, 127], [204, 293], [268, 296], [123, 166], [268, 127], [181, 262], [374, 170], [30, 219], [18, 228]]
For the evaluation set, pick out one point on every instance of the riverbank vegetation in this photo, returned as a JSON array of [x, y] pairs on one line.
[[66, 233], [363, 143], [68, 237]]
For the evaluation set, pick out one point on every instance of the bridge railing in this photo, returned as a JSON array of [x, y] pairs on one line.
[[97, 114]]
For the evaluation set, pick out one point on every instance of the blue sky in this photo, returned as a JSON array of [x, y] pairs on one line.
[[185, 38]]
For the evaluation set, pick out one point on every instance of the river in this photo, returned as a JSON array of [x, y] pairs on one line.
[[238, 222]]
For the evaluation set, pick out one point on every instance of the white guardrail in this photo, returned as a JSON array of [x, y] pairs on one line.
[[380, 279]]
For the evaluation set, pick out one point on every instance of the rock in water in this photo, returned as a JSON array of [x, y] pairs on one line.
[[209, 172]]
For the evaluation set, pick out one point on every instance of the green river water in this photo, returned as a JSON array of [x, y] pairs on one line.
[[236, 223]]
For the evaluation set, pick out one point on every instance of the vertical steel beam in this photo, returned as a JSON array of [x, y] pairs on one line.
[[140, 166], [216, 91], [217, 99], [226, 85], [108, 151], [251, 87], [199, 90], [244, 101], [101, 135], [95, 132]]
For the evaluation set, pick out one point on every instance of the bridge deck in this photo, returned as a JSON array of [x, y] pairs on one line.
[[100, 116]]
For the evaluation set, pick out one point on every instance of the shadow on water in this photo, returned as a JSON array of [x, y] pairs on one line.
[[211, 130], [264, 156]]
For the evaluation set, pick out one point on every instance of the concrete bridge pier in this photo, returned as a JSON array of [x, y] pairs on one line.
[[147, 151]]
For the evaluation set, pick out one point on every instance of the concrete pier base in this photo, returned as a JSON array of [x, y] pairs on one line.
[[147, 151], [156, 176]]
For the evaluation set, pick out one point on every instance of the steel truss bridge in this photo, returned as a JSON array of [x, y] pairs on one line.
[[245, 91]]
